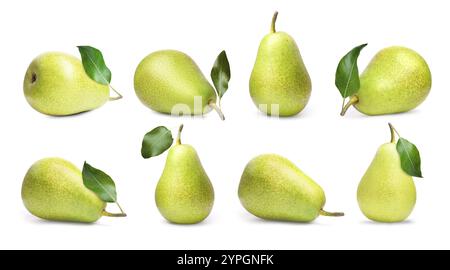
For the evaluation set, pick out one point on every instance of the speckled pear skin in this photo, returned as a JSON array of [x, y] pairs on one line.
[[53, 189], [184, 193], [397, 80], [56, 84], [273, 188], [166, 78], [279, 76], [386, 193]]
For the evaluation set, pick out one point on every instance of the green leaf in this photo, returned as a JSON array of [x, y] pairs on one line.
[[220, 74], [156, 142], [409, 157], [347, 74], [94, 65], [100, 183]]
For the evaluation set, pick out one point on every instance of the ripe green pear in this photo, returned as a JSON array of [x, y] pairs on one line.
[[56, 84], [184, 193], [396, 80], [279, 83], [53, 189], [273, 188], [169, 81], [386, 193]]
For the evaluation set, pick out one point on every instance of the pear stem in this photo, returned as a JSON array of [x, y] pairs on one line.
[[391, 127], [108, 214], [179, 134], [119, 96], [274, 19], [352, 101], [120, 208], [330, 214], [213, 105], [393, 132]]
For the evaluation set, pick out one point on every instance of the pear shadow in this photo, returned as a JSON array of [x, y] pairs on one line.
[[256, 220], [355, 114], [44, 222], [202, 223], [75, 115], [305, 113], [376, 223]]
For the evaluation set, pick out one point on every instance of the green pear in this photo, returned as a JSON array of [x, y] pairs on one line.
[[53, 189], [279, 83], [386, 193], [169, 81], [56, 84], [273, 188], [396, 80], [184, 193]]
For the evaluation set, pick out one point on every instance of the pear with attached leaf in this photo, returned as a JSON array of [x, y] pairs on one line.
[[279, 83], [169, 81], [184, 193], [386, 192], [57, 84], [272, 187], [397, 80], [53, 189]]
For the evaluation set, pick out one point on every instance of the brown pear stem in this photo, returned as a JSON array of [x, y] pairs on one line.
[[213, 105], [179, 134], [330, 214], [393, 132], [274, 19], [120, 208], [391, 127], [352, 101], [119, 96], [108, 214]]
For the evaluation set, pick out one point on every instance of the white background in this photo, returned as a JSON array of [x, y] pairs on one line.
[[334, 151]]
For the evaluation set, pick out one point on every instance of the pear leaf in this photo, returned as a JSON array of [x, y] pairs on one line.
[[94, 65], [156, 142], [100, 183], [220, 74], [409, 157], [347, 74]]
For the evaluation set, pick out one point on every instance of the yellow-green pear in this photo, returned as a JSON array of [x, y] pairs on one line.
[[57, 84], [169, 81], [184, 193], [279, 83], [53, 189], [273, 188], [386, 192], [396, 80]]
